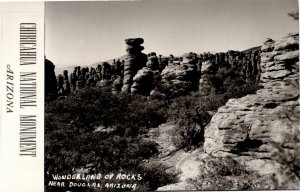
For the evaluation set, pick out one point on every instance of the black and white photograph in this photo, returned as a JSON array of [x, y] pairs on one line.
[[171, 95]]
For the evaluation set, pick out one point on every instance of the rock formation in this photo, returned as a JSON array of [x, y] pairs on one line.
[[148, 77], [161, 75], [247, 128], [60, 84], [66, 85], [92, 78], [73, 79], [105, 79], [247, 64], [135, 60], [50, 80], [117, 85], [181, 78]]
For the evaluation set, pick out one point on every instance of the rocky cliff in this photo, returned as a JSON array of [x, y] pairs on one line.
[[252, 127]]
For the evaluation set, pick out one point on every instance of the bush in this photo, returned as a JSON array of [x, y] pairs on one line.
[[185, 113], [217, 173], [102, 130], [156, 176]]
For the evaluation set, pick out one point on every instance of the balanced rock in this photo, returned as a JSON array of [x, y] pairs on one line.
[[134, 41], [134, 61]]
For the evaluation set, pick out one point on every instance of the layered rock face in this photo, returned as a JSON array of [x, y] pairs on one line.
[[134, 61], [248, 127]]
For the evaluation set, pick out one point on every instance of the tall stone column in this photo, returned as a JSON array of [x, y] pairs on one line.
[[134, 61], [66, 85]]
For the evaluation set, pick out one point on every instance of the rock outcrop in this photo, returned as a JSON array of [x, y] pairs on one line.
[[148, 77], [117, 85], [105, 75], [248, 128], [135, 60], [181, 77]]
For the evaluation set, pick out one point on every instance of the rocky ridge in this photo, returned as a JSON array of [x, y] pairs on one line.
[[247, 128], [152, 75], [250, 129]]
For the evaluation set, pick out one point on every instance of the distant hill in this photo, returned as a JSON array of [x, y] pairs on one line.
[[110, 60], [252, 49], [59, 70]]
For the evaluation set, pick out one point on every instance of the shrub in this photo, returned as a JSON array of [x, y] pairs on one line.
[[156, 176], [185, 113], [97, 128], [217, 173]]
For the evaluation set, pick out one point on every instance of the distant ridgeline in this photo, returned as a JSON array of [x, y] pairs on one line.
[[152, 75]]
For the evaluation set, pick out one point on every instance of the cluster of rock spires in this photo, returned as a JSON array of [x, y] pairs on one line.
[[104, 74], [247, 128], [247, 64], [142, 74]]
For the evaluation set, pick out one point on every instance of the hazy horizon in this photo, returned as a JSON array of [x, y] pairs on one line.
[[83, 33]]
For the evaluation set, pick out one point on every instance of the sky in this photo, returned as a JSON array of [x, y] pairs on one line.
[[83, 33]]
